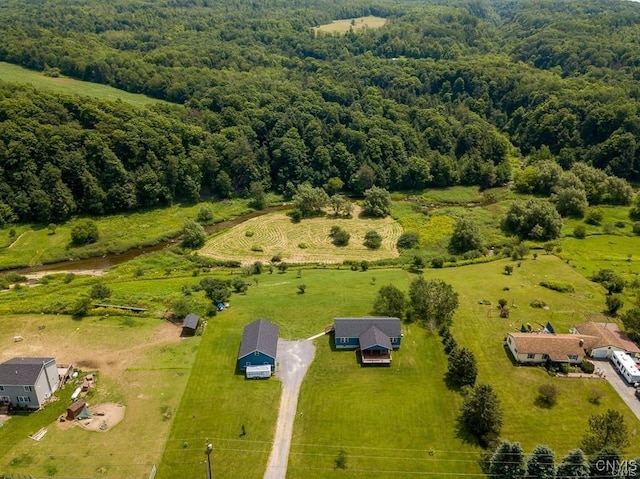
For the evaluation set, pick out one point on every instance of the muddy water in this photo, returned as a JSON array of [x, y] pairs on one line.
[[104, 262]]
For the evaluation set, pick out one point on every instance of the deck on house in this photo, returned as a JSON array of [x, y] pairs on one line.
[[375, 357]]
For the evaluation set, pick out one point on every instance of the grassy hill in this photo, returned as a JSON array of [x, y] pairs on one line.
[[16, 74]]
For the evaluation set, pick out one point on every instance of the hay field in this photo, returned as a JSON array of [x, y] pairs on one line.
[[304, 242], [343, 26]]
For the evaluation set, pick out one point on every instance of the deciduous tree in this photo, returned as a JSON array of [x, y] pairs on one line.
[[433, 302]]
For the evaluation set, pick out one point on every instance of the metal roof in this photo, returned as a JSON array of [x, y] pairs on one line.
[[22, 371], [260, 336], [354, 327], [191, 321], [374, 337]]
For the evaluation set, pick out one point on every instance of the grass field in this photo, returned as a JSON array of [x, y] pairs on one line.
[[343, 26], [69, 86], [31, 245], [141, 363], [305, 242]]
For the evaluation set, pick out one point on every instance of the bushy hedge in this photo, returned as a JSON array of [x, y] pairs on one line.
[[559, 286]]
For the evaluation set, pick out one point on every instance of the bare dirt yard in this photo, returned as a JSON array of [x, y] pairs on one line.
[[309, 241], [104, 417]]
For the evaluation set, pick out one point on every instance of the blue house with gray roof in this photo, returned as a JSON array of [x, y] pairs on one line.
[[259, 346], [373, 337]]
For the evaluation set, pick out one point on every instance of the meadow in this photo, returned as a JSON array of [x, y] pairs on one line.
[[346, 25], [308, 241], [14, 73], [31, 245]]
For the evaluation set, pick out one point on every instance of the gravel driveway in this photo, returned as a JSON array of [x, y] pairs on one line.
[[294, 358], [626, 392]]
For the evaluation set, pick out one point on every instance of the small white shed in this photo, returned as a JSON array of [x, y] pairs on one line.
[[257, 372]]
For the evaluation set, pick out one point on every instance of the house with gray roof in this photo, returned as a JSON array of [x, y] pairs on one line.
[[373, 337], [28, 382], [259, 346]]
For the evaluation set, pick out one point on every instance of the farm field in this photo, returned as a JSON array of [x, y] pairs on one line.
[[14, 73], [141, 364], [343, 26], [308, 241]]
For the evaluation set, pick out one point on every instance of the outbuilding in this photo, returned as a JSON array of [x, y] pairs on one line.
[[75, 409], [190, 325], [259, 346]]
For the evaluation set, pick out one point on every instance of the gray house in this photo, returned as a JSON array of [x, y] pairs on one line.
[[373, 337], [28, 382], [259, 346]]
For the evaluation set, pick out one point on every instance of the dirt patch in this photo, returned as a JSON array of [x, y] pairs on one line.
[[68, 349], [104, 417]]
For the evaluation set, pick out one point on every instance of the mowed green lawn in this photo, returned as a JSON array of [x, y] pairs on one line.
[[395, 421], [69, 86]]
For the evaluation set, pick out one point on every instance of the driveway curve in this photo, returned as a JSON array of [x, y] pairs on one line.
[[294, 358]]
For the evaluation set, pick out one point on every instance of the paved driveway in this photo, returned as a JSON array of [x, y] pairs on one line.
[[294, 358], [626, 392]]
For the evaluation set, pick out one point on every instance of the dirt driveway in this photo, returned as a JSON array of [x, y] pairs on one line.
[[294, 358]]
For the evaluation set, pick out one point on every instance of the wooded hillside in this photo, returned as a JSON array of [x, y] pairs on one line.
[[440, 95]]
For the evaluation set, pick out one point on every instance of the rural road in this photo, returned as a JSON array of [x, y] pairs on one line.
[[294, 358]]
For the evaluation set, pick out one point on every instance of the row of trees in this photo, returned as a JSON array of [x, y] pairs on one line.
[[598, 457]]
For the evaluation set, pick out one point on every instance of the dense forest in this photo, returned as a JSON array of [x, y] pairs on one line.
[[471, 93]]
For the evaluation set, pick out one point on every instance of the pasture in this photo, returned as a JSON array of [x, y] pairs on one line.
[[69, 86], [308, 241], [351, 24]]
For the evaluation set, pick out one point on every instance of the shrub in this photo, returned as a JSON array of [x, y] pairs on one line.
[[257, 248], [341, 237], [249, 233], [205, 216], [620, 224], [537, 303], [295, 215], [437, 263], [100, 291], [303, 245], [587, 367], [276, 258], [559, 286], [595, 396], [84, 232], [580, 232], [408, 240], [607, 228], [372, 240], [502, 302], [548, 394], [636, 228], [565, 368], [302, 288], [594, 216], [508, 269]]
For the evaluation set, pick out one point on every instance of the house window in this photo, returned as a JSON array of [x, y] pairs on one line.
[[28, 389], [573, 357], [344, 340], [545, 356], [531, 356], [1, 388], [257, 353], [5, 399], [509, 339], [23, 399]]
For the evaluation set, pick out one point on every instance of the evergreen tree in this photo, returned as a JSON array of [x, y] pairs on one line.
[[541, 463], [573, 466], [508, 462]]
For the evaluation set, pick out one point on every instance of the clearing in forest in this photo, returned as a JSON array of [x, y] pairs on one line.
[[343, 26], [264, 237]]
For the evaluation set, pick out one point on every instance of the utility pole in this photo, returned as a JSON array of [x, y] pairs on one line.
[[208, 453]]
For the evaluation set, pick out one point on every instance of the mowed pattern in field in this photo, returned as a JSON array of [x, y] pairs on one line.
[[304, 242], [343, 26]]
